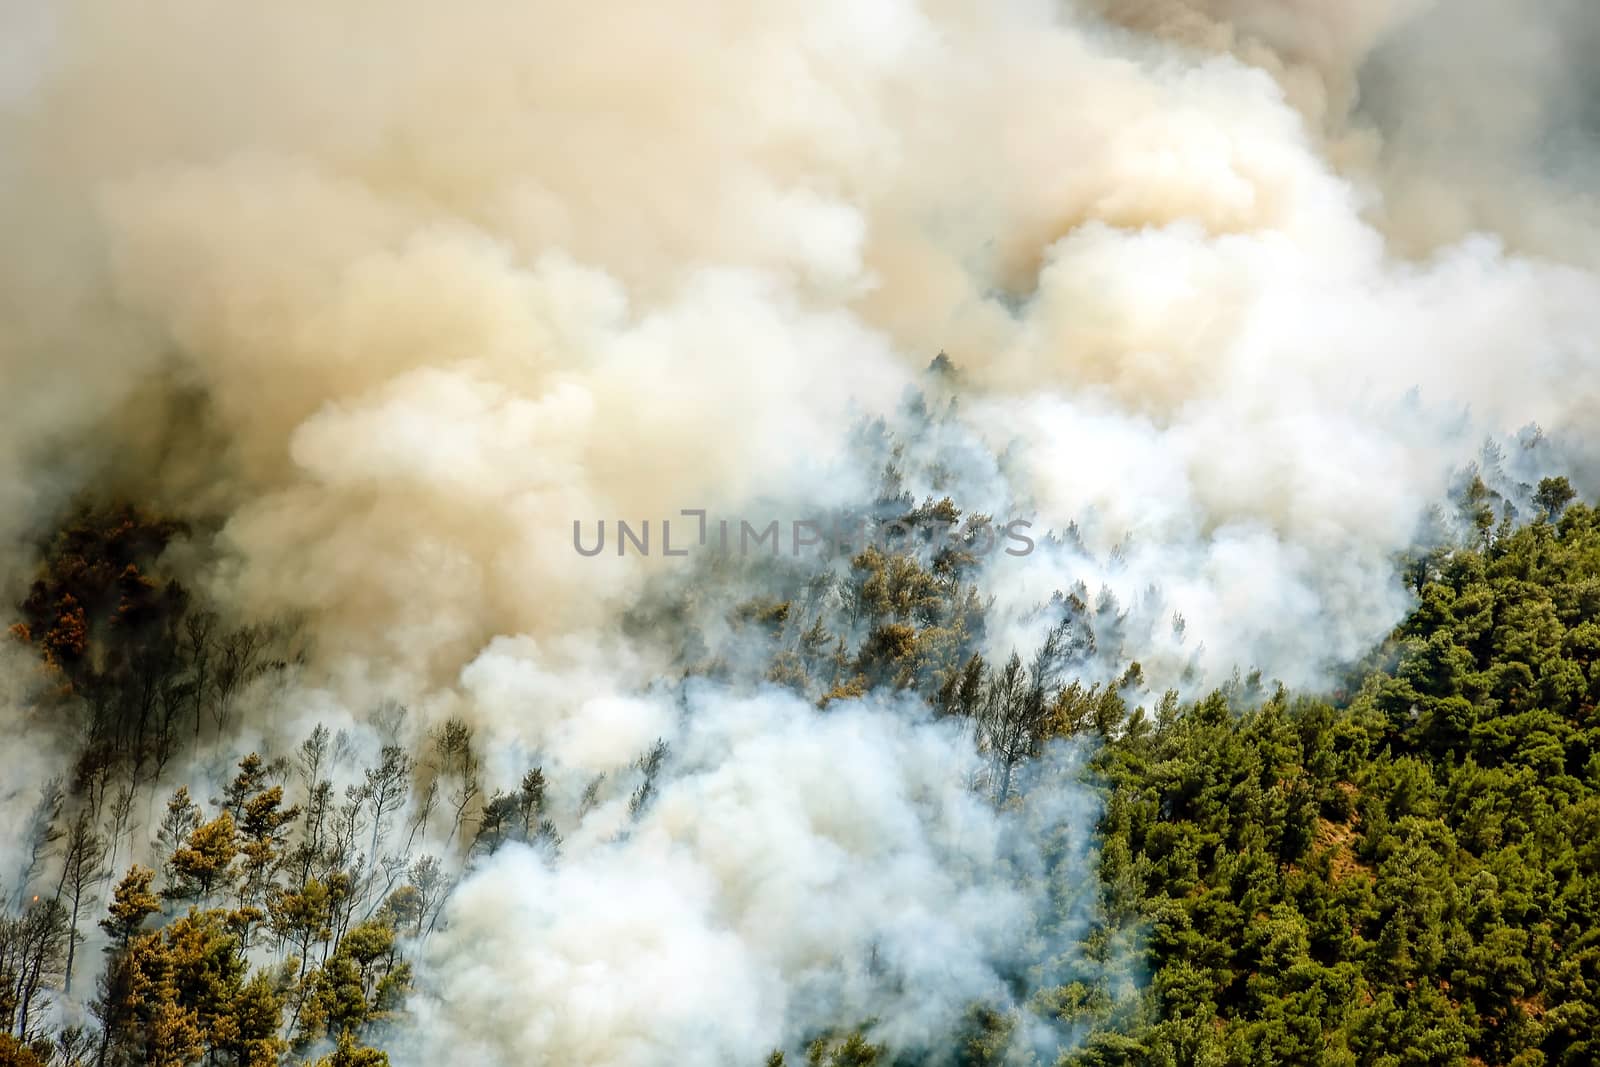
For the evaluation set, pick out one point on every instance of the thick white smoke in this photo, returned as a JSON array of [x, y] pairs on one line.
[[796, 869], [399, 291]]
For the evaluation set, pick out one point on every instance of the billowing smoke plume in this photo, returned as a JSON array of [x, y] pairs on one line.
[[395, 293], [796, 870]]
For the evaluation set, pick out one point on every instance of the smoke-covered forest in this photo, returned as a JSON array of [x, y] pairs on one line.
[[865, 533], [1396, 870]]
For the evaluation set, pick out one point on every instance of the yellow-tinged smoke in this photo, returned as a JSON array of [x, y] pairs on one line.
[[447, 278]]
